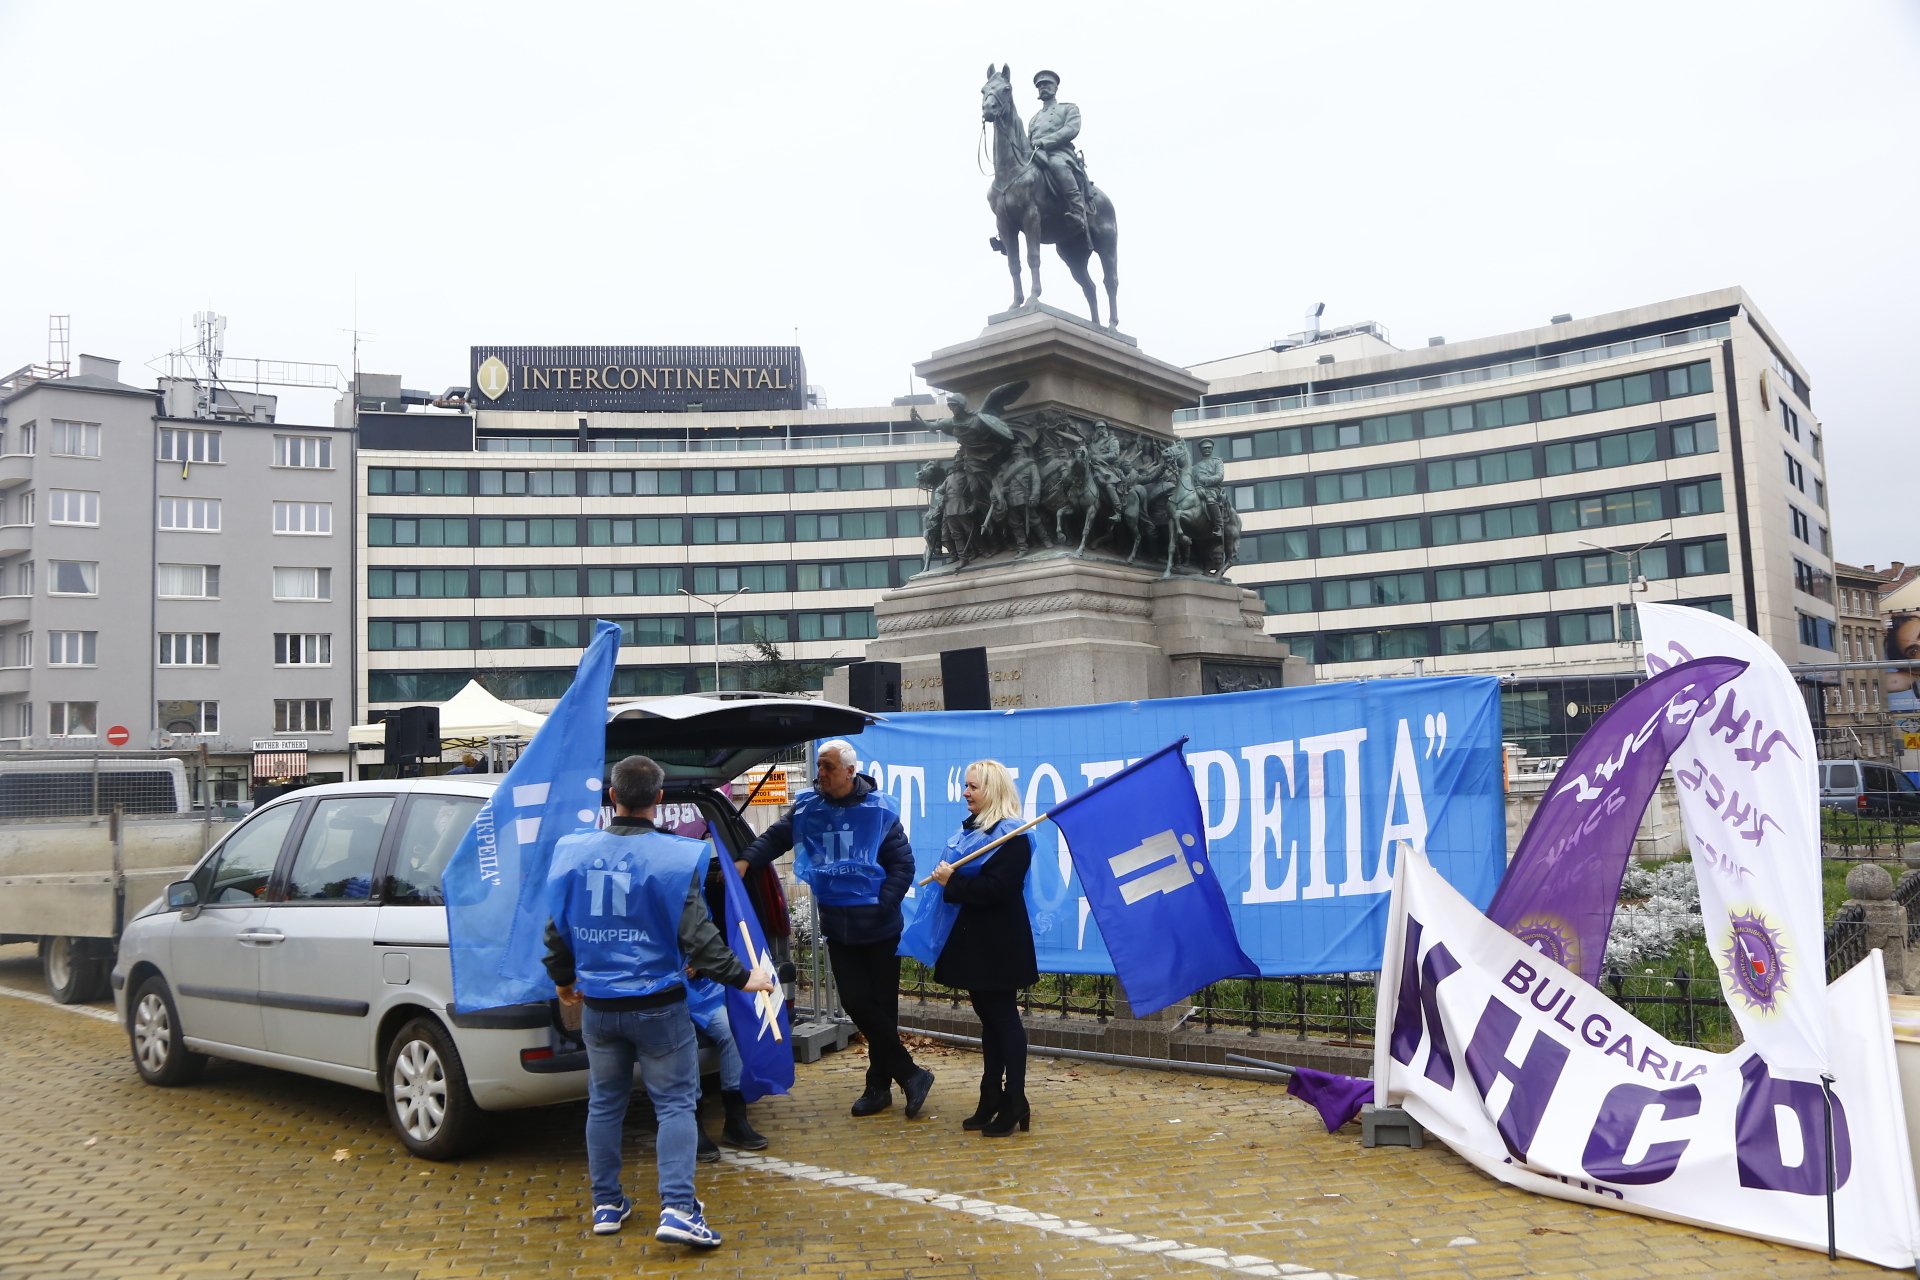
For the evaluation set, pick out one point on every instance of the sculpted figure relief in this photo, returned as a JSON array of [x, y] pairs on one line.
[[1041, 192], [1024, 483]]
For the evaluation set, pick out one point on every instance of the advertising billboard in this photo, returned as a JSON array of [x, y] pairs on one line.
[[639, 379]]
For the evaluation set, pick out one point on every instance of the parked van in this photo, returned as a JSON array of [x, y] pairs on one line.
[[90, 786], [1868, 788]]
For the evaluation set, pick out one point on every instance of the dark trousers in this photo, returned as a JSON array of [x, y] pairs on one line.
[[868, 974], [1003, 1041]]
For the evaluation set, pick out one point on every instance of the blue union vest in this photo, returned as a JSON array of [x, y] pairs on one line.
[[836, 848], [926, 933], [618, 899]]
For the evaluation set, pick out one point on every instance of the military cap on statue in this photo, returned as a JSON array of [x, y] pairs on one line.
[[1054, 76]]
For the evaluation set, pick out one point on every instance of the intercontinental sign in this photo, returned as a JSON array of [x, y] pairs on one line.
[[639, 379]]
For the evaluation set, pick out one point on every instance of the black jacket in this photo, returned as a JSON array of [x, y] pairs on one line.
[[991, 946], [852, 925]]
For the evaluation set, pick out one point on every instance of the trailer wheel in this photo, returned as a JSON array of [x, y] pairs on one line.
[[75, 971]]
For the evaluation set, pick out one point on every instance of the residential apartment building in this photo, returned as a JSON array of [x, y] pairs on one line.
[[1858, 722], [174, 570], [1491, 506]]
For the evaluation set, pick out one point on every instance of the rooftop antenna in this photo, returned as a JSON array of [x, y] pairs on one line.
[[60, 345]]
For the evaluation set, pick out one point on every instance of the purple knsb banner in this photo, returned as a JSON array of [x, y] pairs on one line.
[[1560, 890], [1544, 1083]]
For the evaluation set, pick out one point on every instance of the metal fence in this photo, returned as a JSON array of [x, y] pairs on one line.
[[53, 785]]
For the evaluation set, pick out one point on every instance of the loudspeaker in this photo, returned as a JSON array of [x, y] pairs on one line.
[[874, 686], [963, 676], [413, 732]]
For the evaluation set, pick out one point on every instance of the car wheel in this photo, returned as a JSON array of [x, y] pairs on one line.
[[159, 1054], [426, 1090], [75, 972]]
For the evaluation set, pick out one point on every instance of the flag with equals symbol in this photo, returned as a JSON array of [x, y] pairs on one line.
[[1139, 844]]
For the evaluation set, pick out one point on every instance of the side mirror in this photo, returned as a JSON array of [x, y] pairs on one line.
[[182, 895]]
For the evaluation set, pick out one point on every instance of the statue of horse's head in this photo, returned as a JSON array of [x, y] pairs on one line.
[[996, 96]]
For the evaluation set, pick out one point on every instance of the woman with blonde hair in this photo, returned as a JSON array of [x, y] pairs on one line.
[[989, 953]]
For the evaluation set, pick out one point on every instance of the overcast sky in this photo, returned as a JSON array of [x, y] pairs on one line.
[[444, 175]]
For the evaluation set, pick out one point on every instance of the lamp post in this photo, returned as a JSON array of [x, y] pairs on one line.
[[715, 606], [1634, 584]]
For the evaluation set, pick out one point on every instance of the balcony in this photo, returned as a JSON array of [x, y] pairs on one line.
[[14, 680], [15, 469], [15, 538], [15, 609]]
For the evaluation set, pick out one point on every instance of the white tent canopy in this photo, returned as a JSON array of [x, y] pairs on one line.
[[470, 713]]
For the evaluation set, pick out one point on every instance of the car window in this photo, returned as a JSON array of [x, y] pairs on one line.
[[431, 831], [244, 865], [1842, 777], [337, 851]]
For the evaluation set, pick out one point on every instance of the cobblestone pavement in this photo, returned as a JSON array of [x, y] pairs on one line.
[[253, 1173]]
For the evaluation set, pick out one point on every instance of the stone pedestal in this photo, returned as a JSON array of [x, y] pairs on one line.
[[1061, 631]]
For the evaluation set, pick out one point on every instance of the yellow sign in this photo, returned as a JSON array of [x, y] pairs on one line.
[[1913, 741], [773, 791]]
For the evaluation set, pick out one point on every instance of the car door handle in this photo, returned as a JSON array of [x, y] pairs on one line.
[[265, 937]]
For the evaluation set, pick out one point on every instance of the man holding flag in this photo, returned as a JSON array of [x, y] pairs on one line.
[[628, 919]]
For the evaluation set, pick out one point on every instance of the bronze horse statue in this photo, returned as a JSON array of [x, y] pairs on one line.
[[1023, 203]]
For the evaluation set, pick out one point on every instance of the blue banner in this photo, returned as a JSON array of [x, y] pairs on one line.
[[762, 1030], [1139, 845], [496, 881], [1307, 796]]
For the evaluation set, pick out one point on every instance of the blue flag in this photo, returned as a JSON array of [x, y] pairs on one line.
[[1139, 844], [762, 1030], [496, 882]]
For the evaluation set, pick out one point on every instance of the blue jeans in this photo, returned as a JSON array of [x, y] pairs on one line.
[[660, 1043], [719, 1034]]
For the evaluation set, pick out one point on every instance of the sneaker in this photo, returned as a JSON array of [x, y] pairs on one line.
[[687, 1226], [873, 1101], [608, 1217], [918, 1087]]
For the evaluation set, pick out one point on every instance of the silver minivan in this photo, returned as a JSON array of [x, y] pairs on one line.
[[314, 937]]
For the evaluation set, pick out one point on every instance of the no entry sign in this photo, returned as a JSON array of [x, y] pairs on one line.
[[117, 736]]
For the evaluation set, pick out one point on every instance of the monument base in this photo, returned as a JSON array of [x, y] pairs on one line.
[[1063, 630]]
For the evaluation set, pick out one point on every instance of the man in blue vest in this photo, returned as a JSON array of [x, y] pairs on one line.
[[628, 919], [851, 850]]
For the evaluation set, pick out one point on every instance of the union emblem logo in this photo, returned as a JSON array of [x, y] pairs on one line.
[[492, 378]]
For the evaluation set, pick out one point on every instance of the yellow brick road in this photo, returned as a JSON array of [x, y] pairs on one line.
[[1125, 1174]]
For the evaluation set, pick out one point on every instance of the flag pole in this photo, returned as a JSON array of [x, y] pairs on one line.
[[985, 849]]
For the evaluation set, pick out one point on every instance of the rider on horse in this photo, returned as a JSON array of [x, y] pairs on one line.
[[1051, 133]]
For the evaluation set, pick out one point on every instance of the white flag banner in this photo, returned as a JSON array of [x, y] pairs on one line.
[[1547, 1085], [1750, 800]]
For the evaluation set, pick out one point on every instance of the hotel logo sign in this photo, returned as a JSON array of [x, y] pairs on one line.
[[639, 379]]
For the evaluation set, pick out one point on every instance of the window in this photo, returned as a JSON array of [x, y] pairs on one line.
[[421, 480], [239, 874], [745, 480], [530, 633], [75, 439], [1286, 544], [19, 578], [1386, 588], [850, 624], [431, 831], [1622, 449], [423, 584], [303, 451], [1486, 526], [746, 528], [1629, 506], [189, 444], [74, 578], [433, 633], [18, 510], [22, 651], [74, 506], [526, 582], [1282, 443], [1699, 498], [1516, 578], [302, 517], [303, 583], [23, 720], [1288, 597], [871, 475], [1486, 468], [1270, 495], [1789, 420], [190, 515], [302, 649], [1496, 636], [189, 648], [607, 580], [1796, 473], [23, 438], [407, 531], [1359, 646], [641, 631], [537, 483], [334, 862], [303, 715], [73, 719], [642, 531], [1695, 437], [537, 532], [1381, 535], [843, 576], [189, 581], [188, 715], [1595, 627], [1815, 632], [825, 526], [1351, 486], [724, 579], [741, 628], [71, 648], [620, 484]]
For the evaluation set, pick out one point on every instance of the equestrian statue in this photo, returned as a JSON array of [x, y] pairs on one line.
[[1041, 191]]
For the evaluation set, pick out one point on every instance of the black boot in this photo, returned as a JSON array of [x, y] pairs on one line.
[[1013, 1111], [708, 1151], [989, 1103], [737, 1132]]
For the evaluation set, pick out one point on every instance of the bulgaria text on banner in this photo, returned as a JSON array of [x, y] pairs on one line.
[[1547, 1085], [495, 883], [1140, 845], [762, 1030], [1749, 798], [1560, 890], [1307, 794]]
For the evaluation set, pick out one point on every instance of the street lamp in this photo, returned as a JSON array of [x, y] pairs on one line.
[[715, 606], [1634, 584]]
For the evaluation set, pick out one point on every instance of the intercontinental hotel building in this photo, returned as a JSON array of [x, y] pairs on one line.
[[1484, 506]]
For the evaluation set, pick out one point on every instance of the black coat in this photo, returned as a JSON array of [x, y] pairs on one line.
[[854, 926], [991, 946]]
